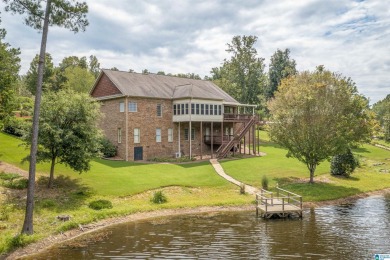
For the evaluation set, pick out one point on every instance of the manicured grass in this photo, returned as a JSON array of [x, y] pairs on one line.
[[119, 178], [293, 175], [130, 186]]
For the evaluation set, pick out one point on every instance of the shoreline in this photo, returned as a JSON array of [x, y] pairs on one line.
[[53, 240]]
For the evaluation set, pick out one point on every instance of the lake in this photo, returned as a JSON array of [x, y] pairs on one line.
[[358, 230]]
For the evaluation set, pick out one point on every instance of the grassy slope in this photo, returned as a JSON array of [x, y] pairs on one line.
[[293, 175], [128, 185]]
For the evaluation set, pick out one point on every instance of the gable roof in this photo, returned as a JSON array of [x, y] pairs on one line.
[[161, 86]]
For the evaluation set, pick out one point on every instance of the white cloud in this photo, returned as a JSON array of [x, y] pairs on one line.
[[347, 36]]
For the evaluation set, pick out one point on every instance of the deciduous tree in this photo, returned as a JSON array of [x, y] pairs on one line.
[[9, 69], [316, 115], [64, 13], [48, 82], [281, 66], [68, 131], [242, 76], [382, 110]]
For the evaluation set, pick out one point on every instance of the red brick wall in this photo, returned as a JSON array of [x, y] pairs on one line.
[[104, 87]]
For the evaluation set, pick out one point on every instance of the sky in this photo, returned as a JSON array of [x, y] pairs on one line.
[[351, 37]]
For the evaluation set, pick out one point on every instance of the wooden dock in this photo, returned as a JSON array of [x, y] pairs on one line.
[[284, 204]]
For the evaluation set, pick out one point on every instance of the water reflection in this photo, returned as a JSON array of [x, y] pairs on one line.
[[351, 231]]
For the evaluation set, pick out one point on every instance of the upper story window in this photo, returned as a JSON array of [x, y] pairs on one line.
[[193, 109], [186, 109], [174, 110], [159, 110], [132, 107], [211, 110], [121, 106], [206, 109], [197, 109]]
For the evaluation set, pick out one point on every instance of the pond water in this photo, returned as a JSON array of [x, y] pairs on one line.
[[351, 231]]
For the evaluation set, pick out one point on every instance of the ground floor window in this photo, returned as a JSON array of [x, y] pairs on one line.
[[119, 135], [186, 134], [158, 135], [137, 138], [170, 135]]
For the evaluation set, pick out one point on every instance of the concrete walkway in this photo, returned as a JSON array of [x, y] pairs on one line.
[[218, 168]]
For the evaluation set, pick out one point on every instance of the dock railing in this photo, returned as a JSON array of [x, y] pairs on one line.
[[283, 198]]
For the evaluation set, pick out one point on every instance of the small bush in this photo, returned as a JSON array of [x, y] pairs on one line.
[[16, 126], [9, 176], [107, 148], [264, 182], [174, 160], [19, 241], [344, 164], [100, 204], [18, 184], [158, 198]]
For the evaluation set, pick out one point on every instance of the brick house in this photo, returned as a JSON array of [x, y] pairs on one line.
[[149, 115]]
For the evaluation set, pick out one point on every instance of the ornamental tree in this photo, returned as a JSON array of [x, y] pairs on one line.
[[68, 133], [316, 115]]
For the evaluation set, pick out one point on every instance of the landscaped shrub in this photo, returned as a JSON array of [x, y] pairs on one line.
[[18, 184], [100, 204], [344, 164], [19, 241], [264, 182], [107, 148], [9, 176], [159, 197], [16, 126]]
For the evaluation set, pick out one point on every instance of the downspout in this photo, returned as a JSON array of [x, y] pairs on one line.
[[127, 129], [190, 124]]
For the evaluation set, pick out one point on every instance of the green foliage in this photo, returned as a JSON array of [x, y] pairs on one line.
[[25, 105], [159, 198], [100, 204], [243, 75], [107, 148], [48, 75], [382, 111], [281, 66], [318, 114], [9, 69], [9, 176], [68, 130], [18, 184], [5, 210], [344, 164], [264, 182], [19, 241], [17, 126]]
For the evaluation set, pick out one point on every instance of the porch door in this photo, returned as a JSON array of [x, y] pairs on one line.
[[138, 153], [207, 135]]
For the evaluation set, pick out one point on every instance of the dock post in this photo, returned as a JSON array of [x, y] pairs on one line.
[[257, 205]]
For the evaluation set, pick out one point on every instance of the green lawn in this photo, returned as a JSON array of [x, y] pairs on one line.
[[129, 186], [293, 175], [119, 178]]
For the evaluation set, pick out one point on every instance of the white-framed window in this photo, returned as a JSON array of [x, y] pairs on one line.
[[132, 107], [159, 110], [186, 134], [174, 110], [119, 135], [121, 106], [158, 135], [137, 136], [170, 135]]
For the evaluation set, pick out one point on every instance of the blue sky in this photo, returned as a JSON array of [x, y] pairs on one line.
[[349, 37]]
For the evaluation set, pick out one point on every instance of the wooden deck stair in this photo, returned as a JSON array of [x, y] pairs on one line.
[[224, 149], [284, 204]]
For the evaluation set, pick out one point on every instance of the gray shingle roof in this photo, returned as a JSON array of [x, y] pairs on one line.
[[160, 86]]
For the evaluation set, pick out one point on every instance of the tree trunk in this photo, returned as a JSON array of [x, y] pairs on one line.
[[51, 178], [28, 219], [312, 169]]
